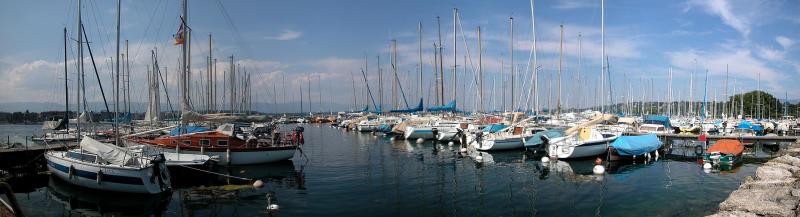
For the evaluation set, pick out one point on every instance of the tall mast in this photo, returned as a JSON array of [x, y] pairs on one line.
[[480, 72], [127, 79], [419, 73], [602, 55], [691, 89], [116, 81], [395, 80], [560, 59], [580, 59], [441, 65], [80, 71], [511, 57], [184, 57], [66, 84], [210, 78], [455, 56], [380, 83], [535, 63], [725, 108], [233, 83]]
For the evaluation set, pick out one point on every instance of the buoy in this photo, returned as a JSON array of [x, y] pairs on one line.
[[241, 171], [598, 161], [598, 169], [273, 207], [656, 152], [545, 159], [463, 150], [707, 170], [258, 184], [707, 166], [420, 140], [450, 143], [391, 139], [479, 158]]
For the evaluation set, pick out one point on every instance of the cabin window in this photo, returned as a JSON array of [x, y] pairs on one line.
[[222, 142], [205, 142], [187, 142]]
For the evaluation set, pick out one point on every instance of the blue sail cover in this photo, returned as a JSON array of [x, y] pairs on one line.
[[636, 145], [745, 125], [366, 109], [409, 110], [536, 141], [450, 107], [658, 119], [494, 128], [189, 129]]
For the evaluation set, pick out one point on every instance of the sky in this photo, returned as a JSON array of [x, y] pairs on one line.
[[284, 45]]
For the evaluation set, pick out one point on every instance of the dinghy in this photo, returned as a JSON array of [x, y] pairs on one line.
[[629, 147], [724, 152]]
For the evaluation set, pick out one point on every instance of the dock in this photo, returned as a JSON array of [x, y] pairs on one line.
[[718, 137], [23, 154]]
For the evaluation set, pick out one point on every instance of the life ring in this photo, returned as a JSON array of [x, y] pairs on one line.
[[698, 150]]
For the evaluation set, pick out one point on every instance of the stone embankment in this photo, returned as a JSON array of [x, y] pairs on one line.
[[773, 191]]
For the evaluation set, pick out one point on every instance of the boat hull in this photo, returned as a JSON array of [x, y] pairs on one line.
[[417, 133], [580, 151], [113, 178], [499, 144], [245, 157]]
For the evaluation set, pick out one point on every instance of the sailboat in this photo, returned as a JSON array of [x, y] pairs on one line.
[[228, 142], [105, 166]]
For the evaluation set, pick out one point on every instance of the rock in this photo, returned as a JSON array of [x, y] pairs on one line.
[[787, 159], [767, 172], [787, 167], [736, 213], [768, 202]]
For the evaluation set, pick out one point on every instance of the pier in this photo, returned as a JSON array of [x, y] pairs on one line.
[[671, 136], [23, 154]]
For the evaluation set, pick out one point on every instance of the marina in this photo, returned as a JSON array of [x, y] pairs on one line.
[[184, 108]]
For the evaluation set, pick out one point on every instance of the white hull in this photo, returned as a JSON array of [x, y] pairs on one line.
[[496, 144], [418, 132], [367, 128], [245, 157], [113, 178], [593, 148]]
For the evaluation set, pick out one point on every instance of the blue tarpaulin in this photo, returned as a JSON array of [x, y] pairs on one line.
[[658, 119], [536, 141], [409, 110], [451, 107], [744, 125], [636, 145], [494, 128], [189, 129]]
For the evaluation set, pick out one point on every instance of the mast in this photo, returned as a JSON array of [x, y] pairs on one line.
[[419, 73], [480, 72], [511, 58], [560, 60], [602, 55], [116, 81], [80, 72], [380, 83], [580, 61], [725, 108], [441, 65], [184, 57], [691, 89], [66, 84], [455, 56], [535, 63], [127, 81]]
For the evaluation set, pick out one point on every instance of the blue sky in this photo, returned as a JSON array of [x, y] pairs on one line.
[[327, 40]]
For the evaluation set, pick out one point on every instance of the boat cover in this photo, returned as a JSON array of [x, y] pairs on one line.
[[658, 119], [60, 124], [450, 107], [636, 145], [409, 110], [494, 128], [744, 125], [537, 140], [109, 153], [727, 146], [189, 129]]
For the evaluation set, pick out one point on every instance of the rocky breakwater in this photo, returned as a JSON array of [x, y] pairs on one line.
[[773, 191]]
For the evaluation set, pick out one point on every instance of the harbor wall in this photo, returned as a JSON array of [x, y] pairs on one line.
[[774, 190]]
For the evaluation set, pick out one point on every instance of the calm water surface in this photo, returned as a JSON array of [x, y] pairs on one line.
[[342, 173]]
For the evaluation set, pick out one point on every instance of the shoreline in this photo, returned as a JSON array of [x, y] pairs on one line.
[[774, 190]]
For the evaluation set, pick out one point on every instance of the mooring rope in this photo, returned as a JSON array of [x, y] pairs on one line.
[[219, 174]]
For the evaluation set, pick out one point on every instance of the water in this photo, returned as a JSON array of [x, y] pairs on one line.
[[351, 174]]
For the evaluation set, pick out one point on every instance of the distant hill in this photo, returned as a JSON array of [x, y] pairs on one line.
[[291, 107]]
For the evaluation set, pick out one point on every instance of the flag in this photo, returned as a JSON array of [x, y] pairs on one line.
[[179, 36]]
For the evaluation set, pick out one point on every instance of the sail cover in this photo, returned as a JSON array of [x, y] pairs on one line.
[[60, 124], [449, 107], [409, 110], [108, 152], [636, 145]]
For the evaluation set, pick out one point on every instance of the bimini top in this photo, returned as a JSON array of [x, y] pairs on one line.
[[658, 119]]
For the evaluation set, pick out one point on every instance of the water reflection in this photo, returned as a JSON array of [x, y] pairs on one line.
[[90, 202]]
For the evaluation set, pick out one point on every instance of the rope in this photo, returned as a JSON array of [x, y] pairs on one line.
[[219, 174]]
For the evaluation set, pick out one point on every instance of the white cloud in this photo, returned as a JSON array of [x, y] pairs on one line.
[[573, 4], [785, 42], [741, 63], [286, 35], [724, 10], [770, 54]]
